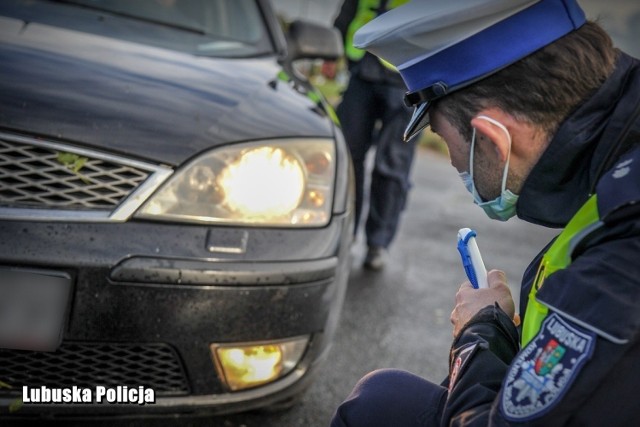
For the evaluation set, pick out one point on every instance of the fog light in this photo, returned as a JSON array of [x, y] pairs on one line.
[[244, 365]]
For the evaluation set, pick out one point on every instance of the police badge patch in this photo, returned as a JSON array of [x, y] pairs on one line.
[[545, 369]]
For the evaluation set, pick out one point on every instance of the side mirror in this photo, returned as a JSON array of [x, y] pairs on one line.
[[307, 40]]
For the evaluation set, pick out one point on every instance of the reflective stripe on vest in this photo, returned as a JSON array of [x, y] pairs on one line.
[[557, 257], [367, 10]]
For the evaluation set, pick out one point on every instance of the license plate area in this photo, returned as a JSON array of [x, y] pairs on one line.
[[33, 308]]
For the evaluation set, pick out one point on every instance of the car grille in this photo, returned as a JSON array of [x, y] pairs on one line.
[[40, 175], [88, 365]]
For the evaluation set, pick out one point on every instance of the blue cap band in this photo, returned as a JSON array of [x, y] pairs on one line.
[[496, 47]]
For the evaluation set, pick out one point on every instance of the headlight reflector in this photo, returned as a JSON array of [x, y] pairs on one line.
[[282, 183]]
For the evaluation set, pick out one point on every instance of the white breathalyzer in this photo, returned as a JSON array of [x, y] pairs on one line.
[[471, 258]]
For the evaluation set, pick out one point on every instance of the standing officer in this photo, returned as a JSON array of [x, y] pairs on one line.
[[541, 115], [372, 113]]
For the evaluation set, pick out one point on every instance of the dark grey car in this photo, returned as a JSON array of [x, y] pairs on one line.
[[175, 207]]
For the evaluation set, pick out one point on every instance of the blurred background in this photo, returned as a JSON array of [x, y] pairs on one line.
[[621, 18]]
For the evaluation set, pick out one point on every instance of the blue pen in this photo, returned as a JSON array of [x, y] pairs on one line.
[[471, 258]]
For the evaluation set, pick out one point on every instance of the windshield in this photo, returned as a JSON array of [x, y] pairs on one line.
[[202, 27]]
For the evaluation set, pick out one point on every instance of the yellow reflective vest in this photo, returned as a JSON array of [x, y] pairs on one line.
[[558, 257], [367, 10]]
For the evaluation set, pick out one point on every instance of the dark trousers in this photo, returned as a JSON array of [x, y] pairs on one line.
[[390, 398], [374, 114]]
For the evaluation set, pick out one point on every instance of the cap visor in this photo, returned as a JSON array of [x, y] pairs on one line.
[[419, 120]]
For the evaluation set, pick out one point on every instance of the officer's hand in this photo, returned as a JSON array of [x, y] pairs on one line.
[[469, 300]]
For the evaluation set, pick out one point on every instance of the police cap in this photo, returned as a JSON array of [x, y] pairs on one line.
[[440, 46]]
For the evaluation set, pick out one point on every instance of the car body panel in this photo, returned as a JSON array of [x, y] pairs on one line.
[[150, 103]]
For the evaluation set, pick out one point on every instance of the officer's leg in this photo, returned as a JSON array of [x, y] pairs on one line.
[[391, 397], [390, 177], [357, 120]]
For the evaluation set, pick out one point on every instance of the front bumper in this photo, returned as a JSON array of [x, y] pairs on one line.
[[142, 289]]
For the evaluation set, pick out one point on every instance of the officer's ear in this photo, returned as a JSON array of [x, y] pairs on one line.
[[491, 126]]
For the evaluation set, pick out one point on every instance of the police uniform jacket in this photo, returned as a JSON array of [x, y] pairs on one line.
[[583, 366]]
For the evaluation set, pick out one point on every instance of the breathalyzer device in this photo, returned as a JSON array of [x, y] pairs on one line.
[[471, 258]]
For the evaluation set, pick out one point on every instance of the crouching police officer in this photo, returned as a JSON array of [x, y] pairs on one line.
[[541, 115]]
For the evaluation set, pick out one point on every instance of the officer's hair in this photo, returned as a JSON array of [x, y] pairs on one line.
[[543, 88]]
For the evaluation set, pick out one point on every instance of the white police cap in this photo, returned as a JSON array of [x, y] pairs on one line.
[[440, 46]]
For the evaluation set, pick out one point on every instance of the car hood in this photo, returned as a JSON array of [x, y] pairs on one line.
[[143, 101]]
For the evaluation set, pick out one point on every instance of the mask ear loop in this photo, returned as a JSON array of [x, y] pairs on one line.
[[475, 193], [505, 171]]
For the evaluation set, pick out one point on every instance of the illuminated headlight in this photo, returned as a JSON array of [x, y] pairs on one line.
[[248, 365], [282, 183]]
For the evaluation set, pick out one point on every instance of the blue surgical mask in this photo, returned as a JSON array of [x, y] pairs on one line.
[[502, 207]]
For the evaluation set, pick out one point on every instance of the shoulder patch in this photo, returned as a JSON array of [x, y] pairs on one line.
[[545, 369]]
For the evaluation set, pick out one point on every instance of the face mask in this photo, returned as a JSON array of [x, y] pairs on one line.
[[502, 207]]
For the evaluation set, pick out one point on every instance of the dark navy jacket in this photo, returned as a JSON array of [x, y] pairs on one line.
[[588, 349]]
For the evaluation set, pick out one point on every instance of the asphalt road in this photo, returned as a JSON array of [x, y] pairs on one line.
[[399, 317]]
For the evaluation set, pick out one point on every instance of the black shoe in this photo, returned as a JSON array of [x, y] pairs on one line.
[[375, 259]]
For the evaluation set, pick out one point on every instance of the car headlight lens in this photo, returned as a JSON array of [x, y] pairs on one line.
[[251, 178], [283, 183], [252, 364]]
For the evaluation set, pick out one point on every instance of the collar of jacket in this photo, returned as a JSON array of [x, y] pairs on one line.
[[559, 184]]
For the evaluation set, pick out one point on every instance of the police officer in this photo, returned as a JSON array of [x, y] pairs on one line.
[[372, 113], [541, 115]]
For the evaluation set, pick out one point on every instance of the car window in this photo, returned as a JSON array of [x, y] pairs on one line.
[[203, 27]]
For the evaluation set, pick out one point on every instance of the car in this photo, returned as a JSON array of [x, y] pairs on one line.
[[176, 208]]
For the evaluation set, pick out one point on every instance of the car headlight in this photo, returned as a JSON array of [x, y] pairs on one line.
[[280, 183]]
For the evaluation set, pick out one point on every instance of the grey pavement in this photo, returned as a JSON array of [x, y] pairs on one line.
[[399, 317]]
